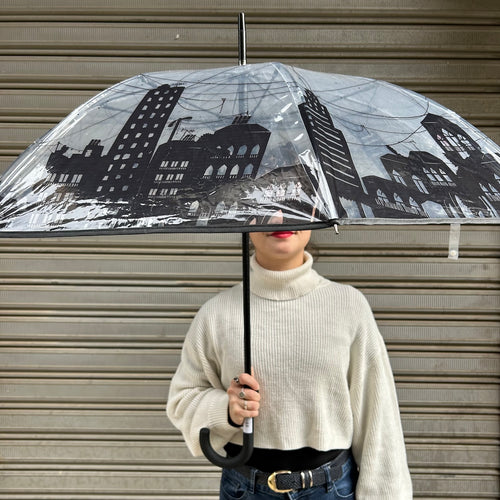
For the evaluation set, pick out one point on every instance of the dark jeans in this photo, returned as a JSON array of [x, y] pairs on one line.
[[234, 486]]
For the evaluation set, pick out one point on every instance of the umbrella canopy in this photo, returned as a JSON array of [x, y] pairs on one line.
[[247, 147]]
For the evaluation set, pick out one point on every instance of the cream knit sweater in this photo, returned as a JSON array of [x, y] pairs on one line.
[[322, 366]]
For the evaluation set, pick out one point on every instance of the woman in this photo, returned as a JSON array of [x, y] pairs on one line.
[[322, 392]]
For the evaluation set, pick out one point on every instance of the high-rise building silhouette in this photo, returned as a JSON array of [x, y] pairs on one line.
[[331, 150], [133, 148]]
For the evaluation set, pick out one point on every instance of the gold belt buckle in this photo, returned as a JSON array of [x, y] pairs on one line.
[[271, 481]]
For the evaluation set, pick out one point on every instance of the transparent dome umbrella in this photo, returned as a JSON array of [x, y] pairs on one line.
[[227, 149], [250, 148]]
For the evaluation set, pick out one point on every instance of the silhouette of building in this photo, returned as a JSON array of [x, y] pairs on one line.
[[477, 170], [332, 152], [116, 175], [414, 181], [130, 154], [426, 186], [148, 178], [71, 172], [200, 165]]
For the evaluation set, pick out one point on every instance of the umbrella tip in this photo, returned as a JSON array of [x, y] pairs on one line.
[[242, 40]]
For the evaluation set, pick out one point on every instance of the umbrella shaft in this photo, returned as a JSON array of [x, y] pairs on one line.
[[246, 302]]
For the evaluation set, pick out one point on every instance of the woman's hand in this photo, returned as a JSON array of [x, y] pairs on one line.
[[244, 398]]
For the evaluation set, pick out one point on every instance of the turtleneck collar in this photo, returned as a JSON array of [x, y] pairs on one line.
[[284, 285]]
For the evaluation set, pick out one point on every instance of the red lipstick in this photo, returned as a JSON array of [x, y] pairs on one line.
[[282, 234]]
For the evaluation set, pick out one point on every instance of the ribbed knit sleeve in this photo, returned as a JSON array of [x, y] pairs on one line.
[[197, 397], [378, 445]]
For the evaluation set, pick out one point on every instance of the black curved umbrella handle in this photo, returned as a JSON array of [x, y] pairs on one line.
[[228, 462]]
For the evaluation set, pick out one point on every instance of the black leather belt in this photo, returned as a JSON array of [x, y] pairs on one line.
[[284, 481]]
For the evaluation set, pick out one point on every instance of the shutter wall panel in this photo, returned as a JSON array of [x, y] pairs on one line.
[[91, 328]]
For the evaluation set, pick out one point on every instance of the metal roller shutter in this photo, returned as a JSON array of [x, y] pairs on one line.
[[91, 328]]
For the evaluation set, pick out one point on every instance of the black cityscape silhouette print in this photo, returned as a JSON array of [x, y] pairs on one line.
[[216, 179]]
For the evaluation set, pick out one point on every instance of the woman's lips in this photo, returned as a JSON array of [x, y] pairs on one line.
[[282, 234]]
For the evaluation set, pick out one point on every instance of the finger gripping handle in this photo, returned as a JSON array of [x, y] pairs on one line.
[[226, 462]]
